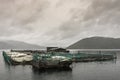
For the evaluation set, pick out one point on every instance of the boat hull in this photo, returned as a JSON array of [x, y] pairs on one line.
[[46, 65]]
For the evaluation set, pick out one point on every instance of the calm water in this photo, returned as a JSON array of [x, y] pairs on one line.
[[109, 70]]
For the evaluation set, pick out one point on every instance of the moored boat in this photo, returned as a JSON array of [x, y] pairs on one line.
[[17, 58], [48, 61]]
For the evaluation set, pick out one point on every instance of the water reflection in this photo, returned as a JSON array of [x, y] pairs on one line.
[[52, 74]]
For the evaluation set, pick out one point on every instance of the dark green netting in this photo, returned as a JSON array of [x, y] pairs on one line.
[[69, 56]]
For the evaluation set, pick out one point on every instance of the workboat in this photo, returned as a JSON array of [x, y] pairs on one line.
[[48, 61]]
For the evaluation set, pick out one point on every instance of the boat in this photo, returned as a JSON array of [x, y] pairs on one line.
[[15, 58], [49, 61]]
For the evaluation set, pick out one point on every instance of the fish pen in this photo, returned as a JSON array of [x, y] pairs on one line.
[[83, 57], [7, 58], [87, 57], [55, 59]]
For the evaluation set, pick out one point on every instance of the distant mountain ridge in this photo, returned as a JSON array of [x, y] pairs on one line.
[[9, 44], [97, 43]]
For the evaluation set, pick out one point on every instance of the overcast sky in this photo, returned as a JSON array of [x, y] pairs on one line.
[[58, 22]]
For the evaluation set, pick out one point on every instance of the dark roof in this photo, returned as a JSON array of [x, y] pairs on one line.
[[57, 49]]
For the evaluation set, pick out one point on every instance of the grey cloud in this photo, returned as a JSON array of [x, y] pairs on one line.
[[16, 15], [98, 15], [100, 7], [58, 22]]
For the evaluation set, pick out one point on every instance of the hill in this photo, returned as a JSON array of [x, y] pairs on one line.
[[9, 44], [97, 43]]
